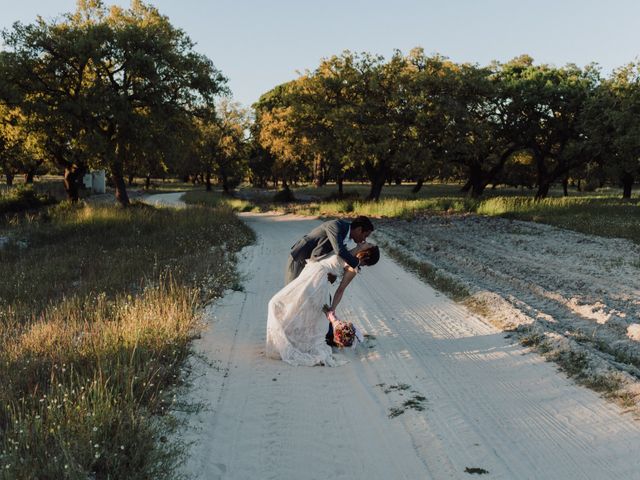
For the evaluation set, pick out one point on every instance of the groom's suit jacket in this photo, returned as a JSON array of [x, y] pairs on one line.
[[324, 239]]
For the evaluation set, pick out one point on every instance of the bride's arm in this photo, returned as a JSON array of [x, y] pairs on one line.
[[346, 279]]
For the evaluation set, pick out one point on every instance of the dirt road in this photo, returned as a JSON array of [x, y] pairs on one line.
[[434, 393]]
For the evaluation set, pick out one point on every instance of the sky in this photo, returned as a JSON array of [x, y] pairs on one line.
[[258, 44]]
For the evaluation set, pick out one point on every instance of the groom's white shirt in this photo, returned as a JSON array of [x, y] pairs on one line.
[[348, 241]]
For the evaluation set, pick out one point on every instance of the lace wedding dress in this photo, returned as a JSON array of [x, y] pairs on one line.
[[296, 324]]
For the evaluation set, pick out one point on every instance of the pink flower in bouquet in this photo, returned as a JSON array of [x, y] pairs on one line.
[[344, 333]]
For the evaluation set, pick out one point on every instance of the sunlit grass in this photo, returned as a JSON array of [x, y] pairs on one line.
[[604, 216], [22, 198], [601, 213], [215, 198], [98, 306]]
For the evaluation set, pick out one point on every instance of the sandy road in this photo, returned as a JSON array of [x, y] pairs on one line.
[[475, 399]]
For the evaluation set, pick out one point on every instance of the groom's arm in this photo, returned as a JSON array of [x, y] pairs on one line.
[[336, 237]]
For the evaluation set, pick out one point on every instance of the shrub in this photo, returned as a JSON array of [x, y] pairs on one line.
[[22, 199], [284, 196]]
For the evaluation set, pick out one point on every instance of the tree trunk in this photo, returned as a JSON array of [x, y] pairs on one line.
[[208, 181], [466, 187], [121, 190], [72, 177], [226, 189], [147, 182], [477, 180], [9, 177], [131, 178], [378, 175], [318, 171], [416, 188], [543, 190], [627, 184], [478, 189], [340, 186], [398, 181], [31, 173], [565, 186], [376, 188], [544, 182]]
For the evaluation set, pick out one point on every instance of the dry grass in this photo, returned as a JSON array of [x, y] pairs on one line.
[[98, 308]]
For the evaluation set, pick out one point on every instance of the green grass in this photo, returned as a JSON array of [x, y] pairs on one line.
[[601, 213], [595, 215], [216, 198], [98, 306], [21, 199]]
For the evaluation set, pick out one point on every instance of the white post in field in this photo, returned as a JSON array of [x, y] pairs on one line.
[[99, 181]]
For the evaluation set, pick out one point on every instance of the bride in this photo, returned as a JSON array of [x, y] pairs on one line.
[[297, 325]]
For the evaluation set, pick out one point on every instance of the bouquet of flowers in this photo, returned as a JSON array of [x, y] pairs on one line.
[[344, 333]]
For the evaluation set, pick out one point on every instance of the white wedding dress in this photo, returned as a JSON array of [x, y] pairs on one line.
[[296, 324]]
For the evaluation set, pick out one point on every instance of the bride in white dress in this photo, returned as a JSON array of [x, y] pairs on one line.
[[296, 324]]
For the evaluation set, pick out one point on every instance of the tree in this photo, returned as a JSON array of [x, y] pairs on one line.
[[381, 117], [146, 70], [277, 130], [550, 103], [20, 150], [613, 128], [45, 72], [327, 99], [99, 83], [224, 148]]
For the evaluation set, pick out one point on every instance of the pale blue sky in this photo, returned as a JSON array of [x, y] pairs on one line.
[[259, 44]]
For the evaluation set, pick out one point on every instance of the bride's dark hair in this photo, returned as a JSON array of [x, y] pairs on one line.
[[369, 256]]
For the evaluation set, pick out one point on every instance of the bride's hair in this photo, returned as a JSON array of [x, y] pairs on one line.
[[369, 256]]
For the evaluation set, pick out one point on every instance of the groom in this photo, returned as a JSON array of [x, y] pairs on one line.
[[329, 237]]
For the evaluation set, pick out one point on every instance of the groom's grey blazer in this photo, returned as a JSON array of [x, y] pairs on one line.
[[322, 240]]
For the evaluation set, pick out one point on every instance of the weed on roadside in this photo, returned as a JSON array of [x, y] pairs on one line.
[[97, 314]]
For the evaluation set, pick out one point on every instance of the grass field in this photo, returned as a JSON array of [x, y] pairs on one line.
[[98, 306], [599, 213], [22, 199]]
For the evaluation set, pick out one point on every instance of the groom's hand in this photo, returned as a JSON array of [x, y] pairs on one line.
[[331, 277]]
